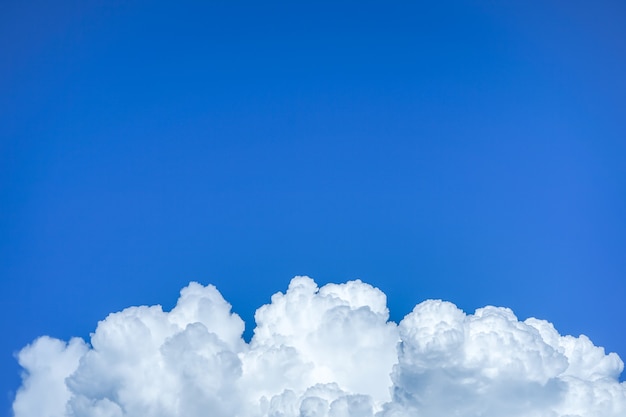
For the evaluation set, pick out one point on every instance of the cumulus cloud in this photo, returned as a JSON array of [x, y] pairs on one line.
[[319, 352]]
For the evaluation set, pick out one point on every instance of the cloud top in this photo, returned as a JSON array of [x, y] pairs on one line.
[[319, 352]]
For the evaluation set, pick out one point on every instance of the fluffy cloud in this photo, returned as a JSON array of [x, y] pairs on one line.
[[319, 352]]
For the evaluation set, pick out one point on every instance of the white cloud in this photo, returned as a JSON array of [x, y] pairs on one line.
[[319, 352]]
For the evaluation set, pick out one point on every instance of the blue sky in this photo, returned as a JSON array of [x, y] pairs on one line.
[[461, 150]]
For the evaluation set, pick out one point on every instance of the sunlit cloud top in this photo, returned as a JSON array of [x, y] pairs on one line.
[[316, 352]]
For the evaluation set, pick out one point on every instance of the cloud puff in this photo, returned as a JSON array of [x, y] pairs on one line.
[[319, 352]]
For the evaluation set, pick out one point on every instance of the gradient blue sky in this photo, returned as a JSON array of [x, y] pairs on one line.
[[470, 151]]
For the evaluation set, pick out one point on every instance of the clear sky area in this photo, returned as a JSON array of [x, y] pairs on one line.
[[470, 151]]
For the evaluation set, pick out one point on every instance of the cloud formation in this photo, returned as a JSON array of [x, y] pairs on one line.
[[319, 352]]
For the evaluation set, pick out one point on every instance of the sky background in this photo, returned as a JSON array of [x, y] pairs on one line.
[[469, 151]]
